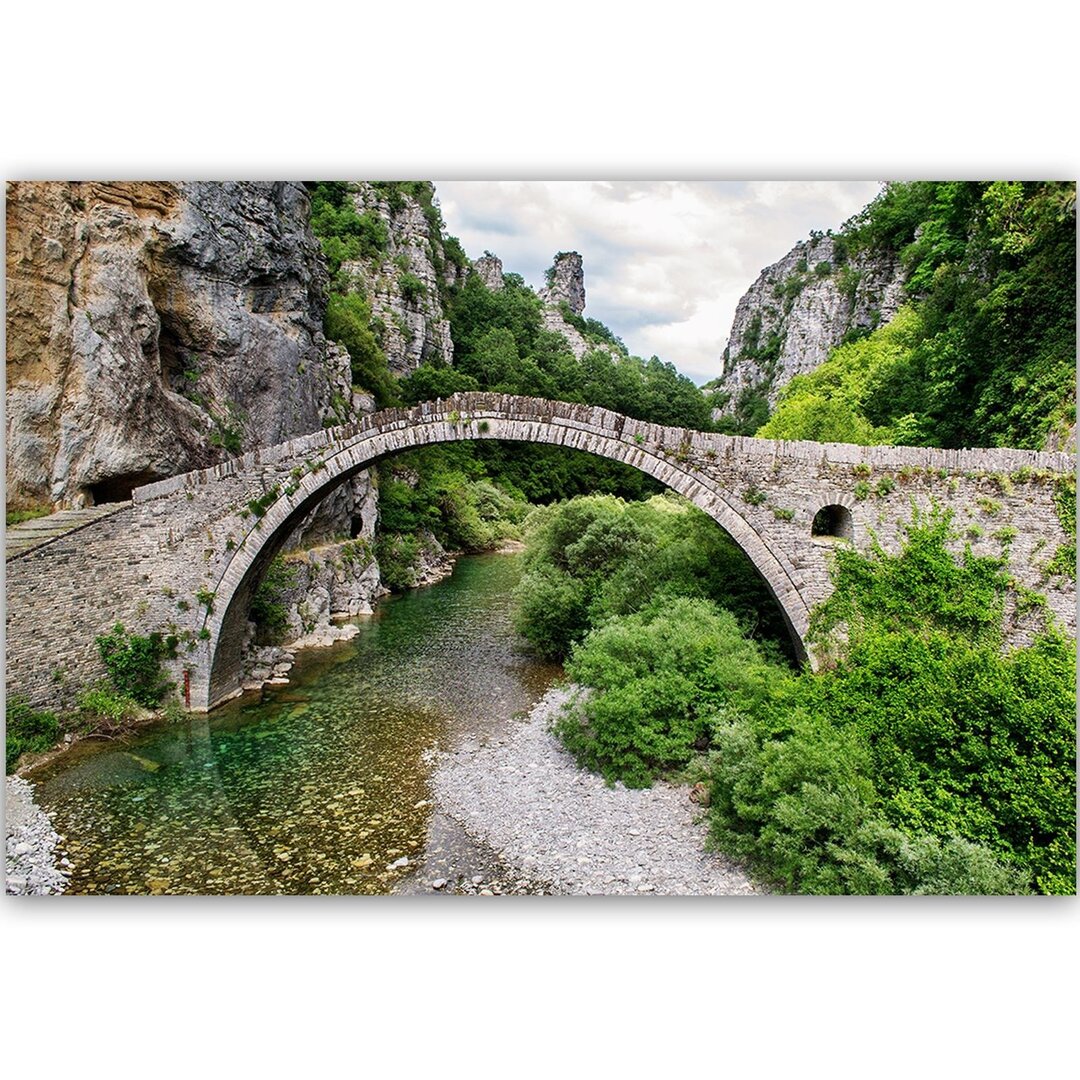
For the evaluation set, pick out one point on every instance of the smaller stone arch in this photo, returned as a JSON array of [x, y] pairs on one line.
[[833, 521]]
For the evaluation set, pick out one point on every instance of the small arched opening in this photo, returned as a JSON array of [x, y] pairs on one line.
[[834, 522]]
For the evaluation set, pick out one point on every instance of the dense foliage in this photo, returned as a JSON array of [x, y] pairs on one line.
[[924, 758], [348, 322], [27, 730], [345, 234], [596, 557], [986, 353], [269, 608], [447, 493], [659, 677], [133, 662]]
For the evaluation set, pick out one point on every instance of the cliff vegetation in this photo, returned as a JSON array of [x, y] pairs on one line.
[[984, 351]]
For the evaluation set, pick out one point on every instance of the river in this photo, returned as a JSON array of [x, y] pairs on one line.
[[322, 786]]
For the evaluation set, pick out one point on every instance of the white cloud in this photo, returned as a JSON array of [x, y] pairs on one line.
[[665, 261]]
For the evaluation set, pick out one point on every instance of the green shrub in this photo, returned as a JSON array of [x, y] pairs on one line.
[[349, 322], [27, 730], [134, 664], [269, 611], [398, 557], [345, 234], [657, 679], [551, 611], [799, 805], [412, 288], [17, 517], [103, 702]]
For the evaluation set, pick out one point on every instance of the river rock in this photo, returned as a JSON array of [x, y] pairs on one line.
[[530, 801], [31, 849]]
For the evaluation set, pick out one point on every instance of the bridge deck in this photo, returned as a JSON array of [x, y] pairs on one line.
[[30, 535]]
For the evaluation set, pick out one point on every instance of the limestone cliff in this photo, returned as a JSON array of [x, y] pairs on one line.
[[798, 310], [406, 284], [155, 328], [565, 292], [566, 282], [489, 269], [158, 327], [562, 299]]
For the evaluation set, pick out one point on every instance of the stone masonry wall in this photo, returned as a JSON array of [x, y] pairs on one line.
[[184, 555]]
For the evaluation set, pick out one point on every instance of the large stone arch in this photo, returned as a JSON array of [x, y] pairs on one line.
[[596, 431]]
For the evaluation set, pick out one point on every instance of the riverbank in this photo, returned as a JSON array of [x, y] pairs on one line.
[[529, 800], [34, 865]]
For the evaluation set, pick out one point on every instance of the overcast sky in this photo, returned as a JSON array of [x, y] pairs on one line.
[[665, 261]]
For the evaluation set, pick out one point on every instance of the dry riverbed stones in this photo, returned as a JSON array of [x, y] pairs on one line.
[[550, 820], [35, 864]]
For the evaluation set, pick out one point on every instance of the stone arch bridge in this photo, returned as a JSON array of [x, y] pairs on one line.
[[185, 554]]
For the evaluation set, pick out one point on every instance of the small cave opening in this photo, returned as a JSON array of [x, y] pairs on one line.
[[834, 521], [356, 526], [171, 357], [119, 488]]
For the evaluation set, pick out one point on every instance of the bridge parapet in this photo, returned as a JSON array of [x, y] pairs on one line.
[[474, 407]]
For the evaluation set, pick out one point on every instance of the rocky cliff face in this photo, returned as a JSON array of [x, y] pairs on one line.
[[155, 328], [566, 282], [407, 284], [489, 269], [158, 327], [566, 285], [798, 310]]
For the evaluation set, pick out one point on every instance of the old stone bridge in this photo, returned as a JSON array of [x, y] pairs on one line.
[[185, 554]]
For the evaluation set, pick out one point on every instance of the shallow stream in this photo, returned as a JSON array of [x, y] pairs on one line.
[[322, 786]]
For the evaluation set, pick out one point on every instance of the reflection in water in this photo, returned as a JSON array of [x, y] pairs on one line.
[[321, 787]]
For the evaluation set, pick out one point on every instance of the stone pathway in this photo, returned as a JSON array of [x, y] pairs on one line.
[[19, 539]]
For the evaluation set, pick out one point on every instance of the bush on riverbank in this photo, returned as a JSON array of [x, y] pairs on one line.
[[27, 730], [133, 662], [660, 677]]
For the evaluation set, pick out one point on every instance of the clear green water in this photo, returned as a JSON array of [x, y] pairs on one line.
[[320, 786]]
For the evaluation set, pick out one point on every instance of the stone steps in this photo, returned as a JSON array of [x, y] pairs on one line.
[[19, 539]]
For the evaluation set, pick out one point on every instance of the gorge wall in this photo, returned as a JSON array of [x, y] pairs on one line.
[[799, 309], [157, 327]]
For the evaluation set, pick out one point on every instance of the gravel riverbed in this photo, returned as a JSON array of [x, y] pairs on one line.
[[35, 865], [526, 797]]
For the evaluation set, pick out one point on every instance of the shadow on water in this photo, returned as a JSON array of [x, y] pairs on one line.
[[322, 786]]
